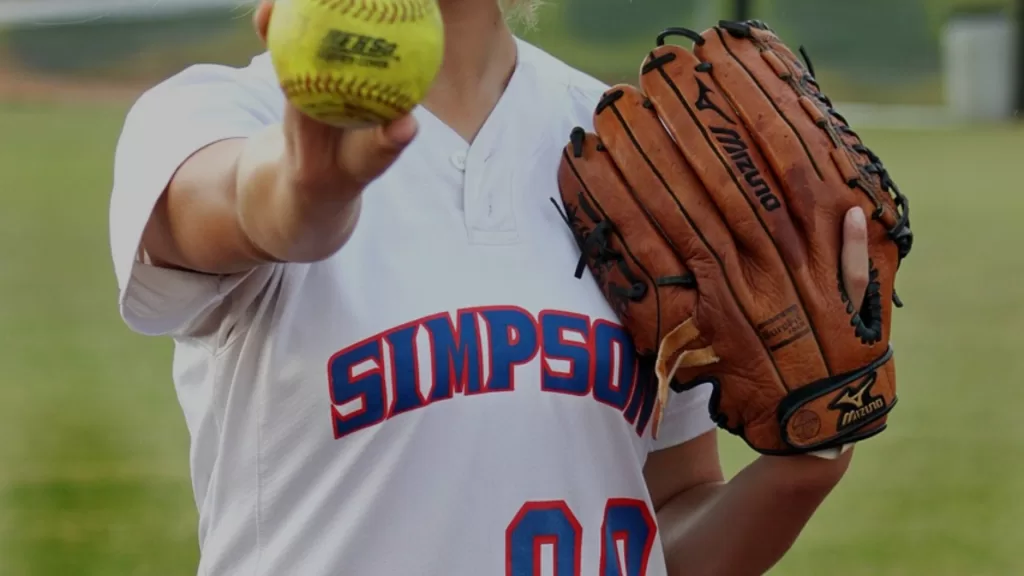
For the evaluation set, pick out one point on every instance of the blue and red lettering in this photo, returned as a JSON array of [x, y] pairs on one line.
[[565, 337], [538, 524], [628, 534], [406, 394], [456, 353], [513, 338], [356, 376], [615, 364], [480, 351], [628, 522]]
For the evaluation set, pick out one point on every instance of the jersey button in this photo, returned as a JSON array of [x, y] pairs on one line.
[[459, 161]]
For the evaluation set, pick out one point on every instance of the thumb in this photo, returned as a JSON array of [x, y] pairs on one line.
[[365, 153]]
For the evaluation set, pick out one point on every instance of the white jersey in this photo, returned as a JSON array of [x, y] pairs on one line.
[[440, 397]]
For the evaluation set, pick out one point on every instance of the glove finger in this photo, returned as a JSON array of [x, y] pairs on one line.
[[644, 283], [882, 198], [648, 286], [750, 63], [776, 94], [671, 194], [778, 120], [722, 152], [850, 155]]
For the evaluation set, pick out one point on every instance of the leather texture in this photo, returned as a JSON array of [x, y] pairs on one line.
[[709, 204]]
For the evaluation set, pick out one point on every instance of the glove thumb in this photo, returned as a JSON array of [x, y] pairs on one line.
[[364, 154]]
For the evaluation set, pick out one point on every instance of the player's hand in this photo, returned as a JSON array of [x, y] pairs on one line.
[[341, 161]]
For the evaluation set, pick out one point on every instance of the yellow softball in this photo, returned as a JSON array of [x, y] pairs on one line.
[[352, 63]]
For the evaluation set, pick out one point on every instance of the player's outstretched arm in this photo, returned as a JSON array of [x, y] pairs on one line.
[[289, 193]]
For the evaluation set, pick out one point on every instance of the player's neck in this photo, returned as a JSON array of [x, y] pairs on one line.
[[479, 56]]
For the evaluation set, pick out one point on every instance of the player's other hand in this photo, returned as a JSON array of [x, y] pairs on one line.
[[342, 161]]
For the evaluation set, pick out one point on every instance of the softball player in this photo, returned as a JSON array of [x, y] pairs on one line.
[[385, 363]]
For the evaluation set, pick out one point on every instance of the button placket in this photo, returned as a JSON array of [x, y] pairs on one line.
[[458, 160]]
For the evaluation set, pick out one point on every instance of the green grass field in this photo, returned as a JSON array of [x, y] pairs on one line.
[[93, 449]]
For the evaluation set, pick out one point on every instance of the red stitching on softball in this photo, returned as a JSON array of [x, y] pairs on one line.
[[382, 94], [387, 12]]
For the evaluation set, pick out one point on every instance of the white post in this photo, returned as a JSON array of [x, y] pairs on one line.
[[979, 61]]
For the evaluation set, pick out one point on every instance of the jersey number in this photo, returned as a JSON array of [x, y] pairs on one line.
[[548, 535]]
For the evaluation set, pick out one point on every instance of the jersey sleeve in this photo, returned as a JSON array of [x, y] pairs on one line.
[[686, 417], [168, 124]]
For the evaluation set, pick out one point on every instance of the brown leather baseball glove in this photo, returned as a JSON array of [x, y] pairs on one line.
[[709, 206]]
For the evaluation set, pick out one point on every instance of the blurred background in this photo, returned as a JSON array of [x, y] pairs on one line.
[[93, 448]]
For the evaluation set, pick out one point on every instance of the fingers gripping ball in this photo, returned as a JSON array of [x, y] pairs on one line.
[[709, 204], [352, 63]]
